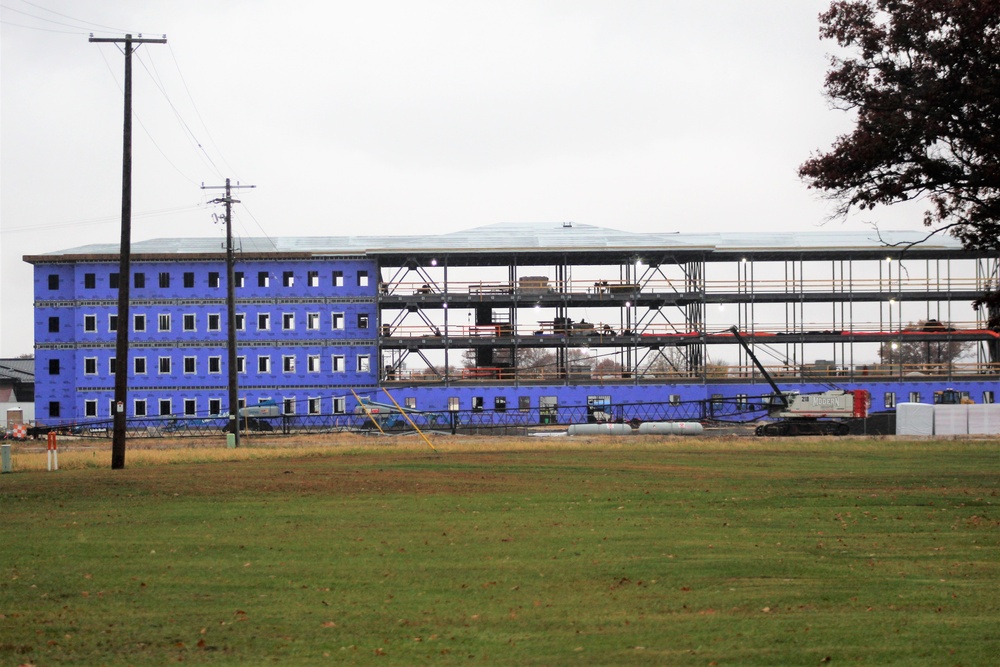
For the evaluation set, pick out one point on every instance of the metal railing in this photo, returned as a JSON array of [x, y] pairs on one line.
[[581, 374], [527, 288], [612, 330]]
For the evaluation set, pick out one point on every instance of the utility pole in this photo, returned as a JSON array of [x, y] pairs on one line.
[[230, 303], [125, 255]]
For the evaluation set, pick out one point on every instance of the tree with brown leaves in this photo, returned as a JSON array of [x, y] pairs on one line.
[[922, 78]]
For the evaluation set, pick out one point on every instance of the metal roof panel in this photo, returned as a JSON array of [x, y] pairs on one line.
[[533, 237]]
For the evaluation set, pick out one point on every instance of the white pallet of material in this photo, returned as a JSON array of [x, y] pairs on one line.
[[984, 419], [914, 419], [951, 419]]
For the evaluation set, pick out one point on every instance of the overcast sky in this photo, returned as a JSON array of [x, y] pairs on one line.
[[397, 117]]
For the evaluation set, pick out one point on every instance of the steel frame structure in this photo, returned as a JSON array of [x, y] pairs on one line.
[[658, 302]]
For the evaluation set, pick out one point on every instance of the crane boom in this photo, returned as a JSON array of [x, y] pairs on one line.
[[763, 371]]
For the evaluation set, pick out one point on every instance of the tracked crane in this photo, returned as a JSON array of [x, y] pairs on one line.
[[807, 414]]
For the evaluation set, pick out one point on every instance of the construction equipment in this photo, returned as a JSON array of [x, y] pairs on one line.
[[952, 397], [256, 417], [808, 414]]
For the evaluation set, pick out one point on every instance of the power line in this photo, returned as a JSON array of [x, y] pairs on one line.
[[83, 222], [66, 16], [158, 82], [143, 126], [40, 18], [259, 226], [198, 113], [83, 29], [31, 27]]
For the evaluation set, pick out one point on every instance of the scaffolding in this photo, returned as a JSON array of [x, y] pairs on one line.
[[623, 317]]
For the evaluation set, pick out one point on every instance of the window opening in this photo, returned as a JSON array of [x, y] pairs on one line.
[[548, 409], [364, 363], [598, 409]]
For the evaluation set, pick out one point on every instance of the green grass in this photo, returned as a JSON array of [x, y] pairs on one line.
[[671, 552]]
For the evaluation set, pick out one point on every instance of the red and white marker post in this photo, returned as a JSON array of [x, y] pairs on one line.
[[53, 452]]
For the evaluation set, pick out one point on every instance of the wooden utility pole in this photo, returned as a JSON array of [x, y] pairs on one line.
[[124, 261], [228, 200]]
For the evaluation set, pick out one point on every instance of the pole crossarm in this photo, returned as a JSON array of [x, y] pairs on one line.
[[139, 39]]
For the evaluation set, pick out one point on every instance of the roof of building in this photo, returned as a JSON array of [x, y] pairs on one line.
[[19, 370], [531, 238]]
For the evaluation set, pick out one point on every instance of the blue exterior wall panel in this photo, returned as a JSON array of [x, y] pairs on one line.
[[83, 298]]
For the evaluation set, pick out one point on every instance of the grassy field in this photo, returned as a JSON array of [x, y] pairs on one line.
[[549, 552]]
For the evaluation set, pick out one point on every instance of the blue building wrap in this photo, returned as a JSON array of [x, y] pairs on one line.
[[306, 330]]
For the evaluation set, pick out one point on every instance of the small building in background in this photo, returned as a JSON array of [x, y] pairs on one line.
[[17, 391]]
